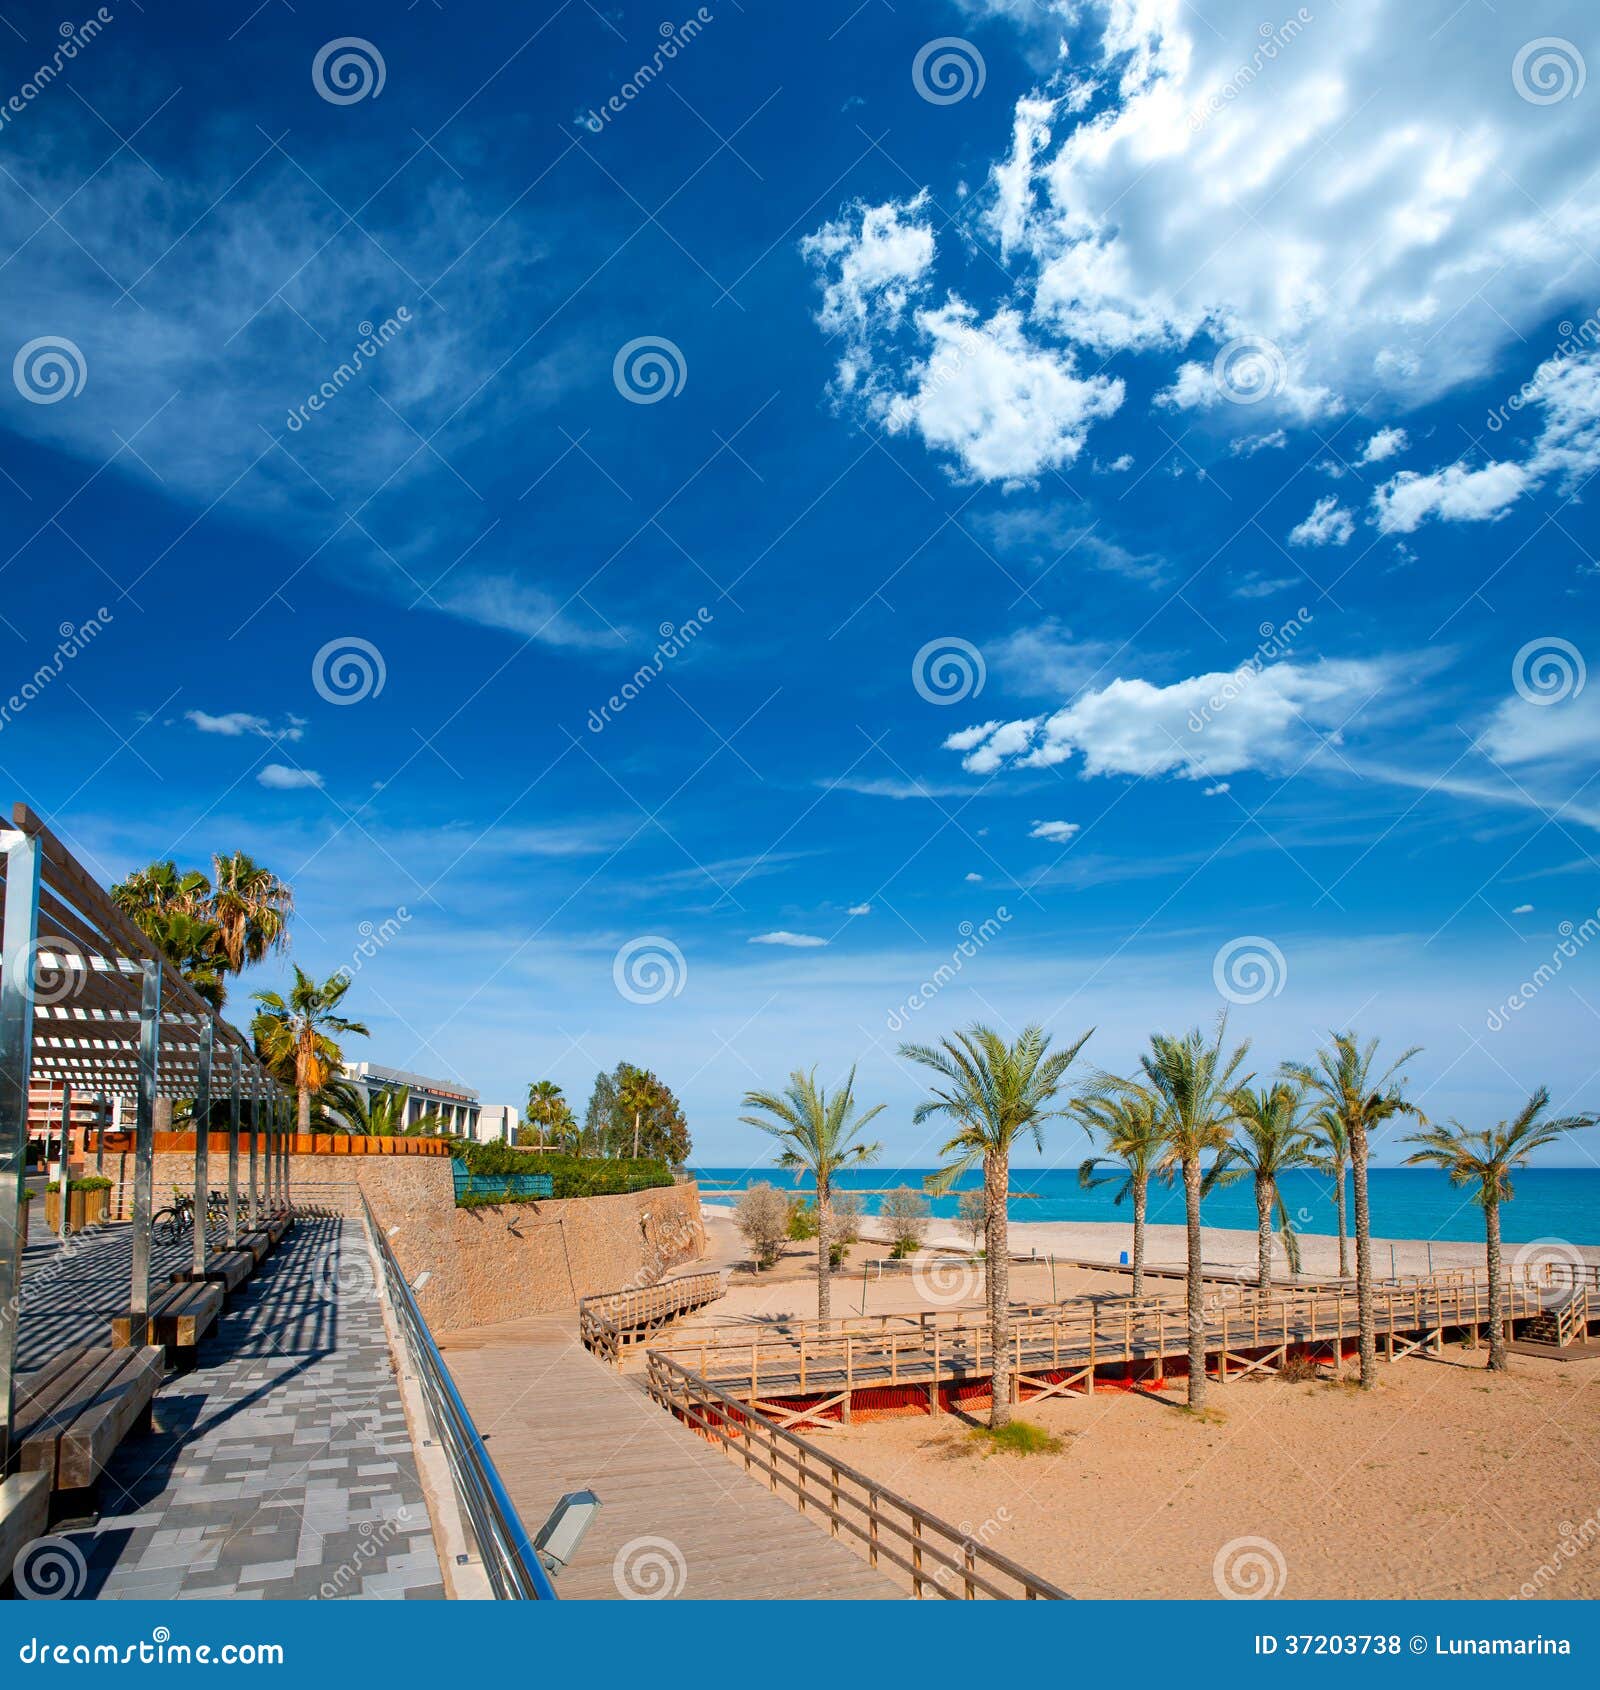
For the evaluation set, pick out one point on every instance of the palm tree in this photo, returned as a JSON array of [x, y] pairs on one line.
[[342, 1106], [546, 1104], [1271, 1141], [174, 912], [251, 907], [640, 1091], [1193, 1083], [1485, 1159], [1342, 1077], [1333, 1159], [1125, 1117], [819, 1136], [993, 1093], [295, 1036]]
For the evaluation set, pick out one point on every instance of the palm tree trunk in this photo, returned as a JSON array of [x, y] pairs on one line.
[[1497, 1323], [303, 1110], [1141, 1192], [997, 1174], [1338, 1198], [1264, 1184], [1368, 1318], [637, 1117], [1196, 1287], [824, 1251]]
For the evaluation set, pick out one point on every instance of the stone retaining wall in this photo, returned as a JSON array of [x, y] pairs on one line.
[[483, 1265]]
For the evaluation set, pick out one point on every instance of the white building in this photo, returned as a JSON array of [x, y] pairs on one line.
[[456, 1105], [498, 1121]]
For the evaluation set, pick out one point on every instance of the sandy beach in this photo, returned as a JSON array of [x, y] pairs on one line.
[[1444, 1482]]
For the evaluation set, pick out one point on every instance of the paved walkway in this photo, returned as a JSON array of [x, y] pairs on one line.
[[281, 1465], [678, 1518]]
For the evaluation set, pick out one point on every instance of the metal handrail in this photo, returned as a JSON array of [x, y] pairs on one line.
[[509, 1558]]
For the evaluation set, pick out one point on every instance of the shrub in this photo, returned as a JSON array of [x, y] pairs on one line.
[[844, 1228], [905, 1214], [762, 1215], [571, 1176], [970, 1215], [802, 1219], [1016, 1437]]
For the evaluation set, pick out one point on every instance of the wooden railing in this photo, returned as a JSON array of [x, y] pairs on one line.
[[829, 1356], [611, 1322], [936, 1558]]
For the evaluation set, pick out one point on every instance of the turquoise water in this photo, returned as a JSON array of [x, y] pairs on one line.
[[1406, 1202]]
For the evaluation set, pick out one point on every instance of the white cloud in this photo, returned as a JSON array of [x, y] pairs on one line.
[[1051, 538], [1329, 524], [889, 786], [1523, 909], [280, 777], [1519, 732], [1058, 833], [1217, 791], [233, 724], [1254, 586], [1046, 660], [1196, 729], [872, 261], [860, 909], [1247, 445], [1384, 444], [974, 879], [796, 941], [1005, 406], [1566, 449]]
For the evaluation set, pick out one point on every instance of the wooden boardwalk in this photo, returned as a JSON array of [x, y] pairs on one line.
[[678, 1519]]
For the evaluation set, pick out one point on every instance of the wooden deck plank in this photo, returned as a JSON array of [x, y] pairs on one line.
[[558, 1419]]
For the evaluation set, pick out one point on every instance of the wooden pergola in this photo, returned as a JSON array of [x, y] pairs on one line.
[[88, 1005]]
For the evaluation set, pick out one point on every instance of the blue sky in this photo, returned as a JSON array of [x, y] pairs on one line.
[[1099, 502]]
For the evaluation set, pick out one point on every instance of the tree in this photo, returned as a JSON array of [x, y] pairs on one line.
[[1270, 1142], [1485, 1159], [342, 1106], [598, 1117], [905, 1218], [295, 1036], [1342, 1079], [251, 908], [633, 1112], [761, 1213], [1191, 1083], [1333, 1159], [638, 1090], [546, 1106], [1125, 1117], [993, 1094], [819, 1135]]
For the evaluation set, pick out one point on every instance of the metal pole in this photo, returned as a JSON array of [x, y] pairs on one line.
[[233, 1148], [105, 1108], [269, 1123], [144, 1155], [17, 946], [255, 1135], [202, 1143], [288, 1150], [64, 1178]]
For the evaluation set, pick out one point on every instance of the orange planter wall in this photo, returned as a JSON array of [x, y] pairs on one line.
[[300, 1144]]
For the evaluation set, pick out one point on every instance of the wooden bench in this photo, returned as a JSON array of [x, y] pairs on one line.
[[24, 1516], [74, 1411], [229, 1269], [278, 1225], [179, 1318], [258, 1243]]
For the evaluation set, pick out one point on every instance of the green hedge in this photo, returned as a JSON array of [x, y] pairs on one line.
[[93, 1182], [573, 1176]]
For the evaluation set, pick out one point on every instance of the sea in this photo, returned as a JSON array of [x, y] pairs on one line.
[[1547, 1203]]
